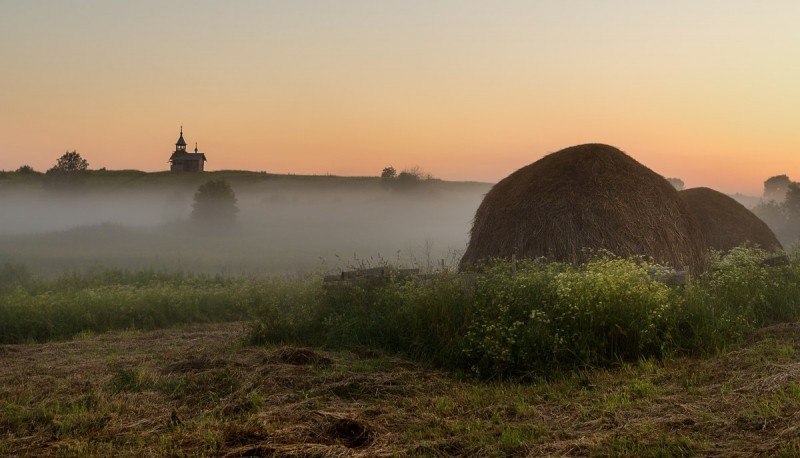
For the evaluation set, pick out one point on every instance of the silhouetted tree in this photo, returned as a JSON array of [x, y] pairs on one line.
[[215, 202], [70, 162], [411, 178], [791, 201], [407, 179], [68, 174], [389, 173], [27, 170], [775, 188]]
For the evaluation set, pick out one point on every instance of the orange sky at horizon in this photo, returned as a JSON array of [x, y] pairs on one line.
[[704, 91]]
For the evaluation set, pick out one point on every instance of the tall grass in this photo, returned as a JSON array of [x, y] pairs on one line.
[[424, 319], [542, 317], [38, 310], [527, 320]]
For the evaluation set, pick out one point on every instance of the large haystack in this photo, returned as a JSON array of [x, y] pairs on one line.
[[587, 196], [726, 223]]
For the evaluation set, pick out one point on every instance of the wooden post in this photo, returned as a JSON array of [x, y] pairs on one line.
[[514, 263]]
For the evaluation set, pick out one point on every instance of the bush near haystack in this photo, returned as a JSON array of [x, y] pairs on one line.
[[537, 318], [547, 316], [556, 316]]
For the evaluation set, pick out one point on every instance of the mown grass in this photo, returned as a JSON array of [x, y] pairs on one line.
[[196, 391]]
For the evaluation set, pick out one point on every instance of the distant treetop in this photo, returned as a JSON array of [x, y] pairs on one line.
[[27, 170], [70, 162], [389, 172], [775, 188]]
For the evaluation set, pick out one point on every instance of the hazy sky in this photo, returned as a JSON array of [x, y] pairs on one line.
[[708, 91]]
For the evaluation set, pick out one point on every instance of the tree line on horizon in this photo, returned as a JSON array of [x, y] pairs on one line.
[[73, 163], [214, 204], [779, 207]]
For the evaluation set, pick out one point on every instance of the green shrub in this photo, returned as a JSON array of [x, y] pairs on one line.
[[536, 317], [782, 296], [547, 316], [511, 325], [609, 309], [737, 294]]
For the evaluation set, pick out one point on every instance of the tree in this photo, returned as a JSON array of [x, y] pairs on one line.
[[70, 163], [791, 201], [68, 174], [407, 179], [389, 173], [412, 177], [27, 170], [215, 202], [775, 187]]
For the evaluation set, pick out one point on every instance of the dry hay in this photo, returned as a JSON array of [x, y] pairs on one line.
[[726, 223], [589, 196], [741, 403], [296, 356]]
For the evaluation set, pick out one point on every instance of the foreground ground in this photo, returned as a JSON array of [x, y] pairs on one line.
[[197, 391]]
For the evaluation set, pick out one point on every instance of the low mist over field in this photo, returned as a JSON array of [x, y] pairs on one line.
[[284, 224]]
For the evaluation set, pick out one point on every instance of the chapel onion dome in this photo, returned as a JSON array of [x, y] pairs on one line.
[[181, 142]]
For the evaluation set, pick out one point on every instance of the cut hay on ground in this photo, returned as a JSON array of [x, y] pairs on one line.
[[726, 223], [229, 401], [588, 196]]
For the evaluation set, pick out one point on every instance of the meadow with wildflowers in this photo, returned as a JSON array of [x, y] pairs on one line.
[[533, 318]]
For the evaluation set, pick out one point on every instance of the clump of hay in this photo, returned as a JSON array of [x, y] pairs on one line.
[[726, 223], [297, 357], [589, 196]]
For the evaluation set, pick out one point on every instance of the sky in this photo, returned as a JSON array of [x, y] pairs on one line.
[[704, 90]]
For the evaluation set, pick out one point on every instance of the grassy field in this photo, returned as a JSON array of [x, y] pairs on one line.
[[198, 391], [531, 359], [129, 332]]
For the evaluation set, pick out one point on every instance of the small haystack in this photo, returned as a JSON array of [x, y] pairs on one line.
[[726, 223], [588, 196]]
